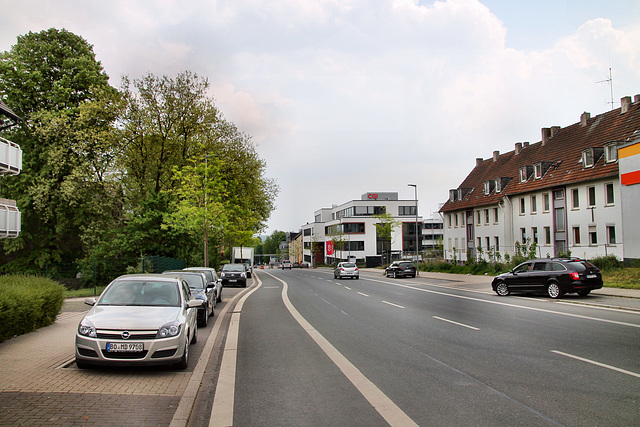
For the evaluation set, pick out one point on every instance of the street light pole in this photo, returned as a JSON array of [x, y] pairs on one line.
[[415, 188], [206, 227]]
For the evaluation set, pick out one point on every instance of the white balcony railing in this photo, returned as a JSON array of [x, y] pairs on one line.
[[9, 219], [10, 157]]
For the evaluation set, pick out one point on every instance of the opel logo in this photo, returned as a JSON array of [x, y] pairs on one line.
[[126, 335]]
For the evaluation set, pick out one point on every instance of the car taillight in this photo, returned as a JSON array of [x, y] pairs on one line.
[[356, 268], [574, 275], [341, 269]]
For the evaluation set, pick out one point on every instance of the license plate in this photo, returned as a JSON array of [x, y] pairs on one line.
[[592, 276], [125, 346], [232, 280]]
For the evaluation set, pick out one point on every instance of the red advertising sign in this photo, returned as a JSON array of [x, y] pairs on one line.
[[373, 196], [329, 248]]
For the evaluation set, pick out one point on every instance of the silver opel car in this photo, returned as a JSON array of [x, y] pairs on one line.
[[139, 319]]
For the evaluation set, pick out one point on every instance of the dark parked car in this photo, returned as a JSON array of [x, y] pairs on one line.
[[554, 277], [212, 277], [234, 275], [400, 269], [202, 290]]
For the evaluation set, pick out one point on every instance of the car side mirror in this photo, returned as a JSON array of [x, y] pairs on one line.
[[90, 301]]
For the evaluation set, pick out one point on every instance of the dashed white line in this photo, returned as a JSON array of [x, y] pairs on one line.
[[593, 362], [395, 305], [456, 323], [363, 294]]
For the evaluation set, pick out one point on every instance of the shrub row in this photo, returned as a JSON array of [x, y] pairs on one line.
[[27, 303]]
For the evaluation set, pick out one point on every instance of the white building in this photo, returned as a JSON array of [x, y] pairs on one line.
[[10, 164], [353, 223], [562, 193]]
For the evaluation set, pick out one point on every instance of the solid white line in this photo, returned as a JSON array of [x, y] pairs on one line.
[[455, 323], [364, 295], [593, 362], [222, 410], [395, 305], [380, 401]]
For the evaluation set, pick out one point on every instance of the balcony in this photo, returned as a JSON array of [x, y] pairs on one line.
[[9, 219], [10, 158]]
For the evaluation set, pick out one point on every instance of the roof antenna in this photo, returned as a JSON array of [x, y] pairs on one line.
[[610, 81]]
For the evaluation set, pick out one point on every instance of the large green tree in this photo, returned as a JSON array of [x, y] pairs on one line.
[[46, 78]]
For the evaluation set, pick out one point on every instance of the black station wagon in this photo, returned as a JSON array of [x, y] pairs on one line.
[[554, 277]]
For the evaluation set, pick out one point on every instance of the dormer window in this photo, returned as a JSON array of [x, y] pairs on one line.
[[524, 174], [488, 187], [610, 153], [587, 158], [452, 195], [537, 170], [498, 185]]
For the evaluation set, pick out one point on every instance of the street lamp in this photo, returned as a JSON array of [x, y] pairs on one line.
[[415, 188], [206, 234]]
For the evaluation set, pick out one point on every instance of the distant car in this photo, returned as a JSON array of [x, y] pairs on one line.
[[304, 264], [287, 264], [212, 277], [346, 269], [201, 289], [139, 319], [554, 277], [234, 275], [400, 269]]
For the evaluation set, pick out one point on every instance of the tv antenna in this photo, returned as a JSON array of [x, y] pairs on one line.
[[610, 81]]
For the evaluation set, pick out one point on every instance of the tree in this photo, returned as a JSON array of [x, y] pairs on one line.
[[47, 78], [385, 229]]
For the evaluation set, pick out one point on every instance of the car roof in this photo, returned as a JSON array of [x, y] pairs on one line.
[[147, 276]]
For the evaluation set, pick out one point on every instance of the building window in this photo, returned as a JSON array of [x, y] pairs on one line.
[[455, 215], [591, 196], [558, 194], [609, 195], [406, 210], [534, 204], [498, 185], [522, 206], [611, 234], [593, 236], [495, 215], [487, 188], [488, 242], [610, 153], [479, 243], [486, 216], [559, 219], [523, 235], [546, 204], [462, 218], [547, 235], [537, 169], [575, 198], [479, 215], [523, 174], [587, 158], [534, 234], [496, 241], [576, 236]]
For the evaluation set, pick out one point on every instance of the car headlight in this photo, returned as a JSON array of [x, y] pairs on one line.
[[86, 328], [170, 329], [223, 274], [244, 275]]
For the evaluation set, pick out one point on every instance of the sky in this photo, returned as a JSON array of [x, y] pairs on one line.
[[346, 97]]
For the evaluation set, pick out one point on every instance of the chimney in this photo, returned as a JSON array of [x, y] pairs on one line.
[[584, 118], [554, 130], [636, 98], [479, 161], [546, 134], [525, 144], [518, 147], [625, 104], [496, 154]]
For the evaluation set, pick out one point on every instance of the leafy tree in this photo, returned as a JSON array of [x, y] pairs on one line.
[[385, 229], [47, 78], [271, 244]]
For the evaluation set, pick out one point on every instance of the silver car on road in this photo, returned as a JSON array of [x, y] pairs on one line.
[[139, 319]]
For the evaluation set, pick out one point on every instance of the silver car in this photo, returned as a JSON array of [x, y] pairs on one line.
[[139, 319], [346, 269]]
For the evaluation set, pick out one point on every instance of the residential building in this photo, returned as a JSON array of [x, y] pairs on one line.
[[348, 231], [10, 164], [562, 193]]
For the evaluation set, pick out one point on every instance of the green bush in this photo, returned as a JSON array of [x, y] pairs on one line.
[[606, 263], [27, 303]]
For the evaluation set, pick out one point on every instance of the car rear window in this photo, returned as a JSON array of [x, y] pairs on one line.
[[581, 265], [348, 265]]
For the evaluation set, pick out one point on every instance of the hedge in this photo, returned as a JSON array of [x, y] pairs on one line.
[[27, 303]]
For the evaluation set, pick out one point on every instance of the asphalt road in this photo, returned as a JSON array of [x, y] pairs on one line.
[[312, 350]]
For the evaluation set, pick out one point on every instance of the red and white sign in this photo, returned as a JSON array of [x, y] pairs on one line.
[[373, 196], [329, 247]]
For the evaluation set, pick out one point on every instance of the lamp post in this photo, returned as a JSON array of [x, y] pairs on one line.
[[415, 188], [206, 227]]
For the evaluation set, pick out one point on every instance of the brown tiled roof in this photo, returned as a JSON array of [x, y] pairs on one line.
[[563, 151]]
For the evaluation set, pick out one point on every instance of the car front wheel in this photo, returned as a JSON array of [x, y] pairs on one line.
[[553, 290], [502, 289], [184, 362]]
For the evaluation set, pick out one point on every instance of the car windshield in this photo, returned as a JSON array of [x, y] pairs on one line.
[[141, 293], [233, 267]]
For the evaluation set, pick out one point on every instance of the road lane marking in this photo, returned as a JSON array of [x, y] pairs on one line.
[[380, 401], [222, 409], [363, 294], [505, 304], [455, 323], [395, 305], [348, 288], [593, 362]]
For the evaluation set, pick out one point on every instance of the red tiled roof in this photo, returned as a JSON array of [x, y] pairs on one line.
[[563, 150]]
